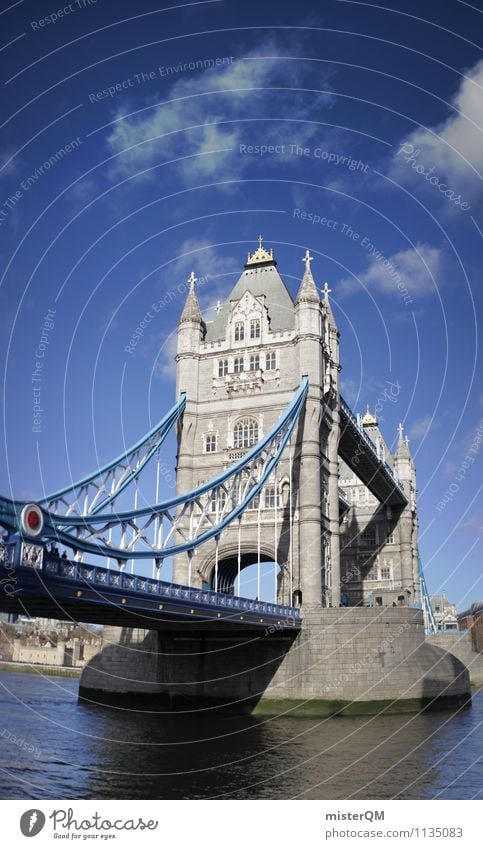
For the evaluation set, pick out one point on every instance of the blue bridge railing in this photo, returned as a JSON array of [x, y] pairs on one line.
[[102, 577]]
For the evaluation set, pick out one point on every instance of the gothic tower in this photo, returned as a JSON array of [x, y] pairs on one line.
[[239, 372]]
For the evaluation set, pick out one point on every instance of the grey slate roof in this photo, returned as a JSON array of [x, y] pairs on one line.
[[308, 289], [191, 309], [259, 281]]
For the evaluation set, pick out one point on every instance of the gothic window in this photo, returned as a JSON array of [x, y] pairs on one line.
[[239, 331], [222, 368], [368, 536], [390, 538], [254, 362], [271, 498], [210, 443], [255, 329], [386, 573], [254, 503], [238, 365], [245, 433], [270, 361], [371, 575]]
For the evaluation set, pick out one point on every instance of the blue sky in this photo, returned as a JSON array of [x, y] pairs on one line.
[[172, 138]]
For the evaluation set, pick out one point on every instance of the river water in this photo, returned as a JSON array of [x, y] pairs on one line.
[[52, 747]]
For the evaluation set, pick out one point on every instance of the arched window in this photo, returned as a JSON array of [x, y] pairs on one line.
[[255, 328], [238, 365], [222, 368], [271, 497], [245, 433], [254, 362], [210, 443], [239, 331], [270, 361]]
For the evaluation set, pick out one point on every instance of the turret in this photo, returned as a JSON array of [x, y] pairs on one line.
[[308, 325], [403, 464], [191, 332]]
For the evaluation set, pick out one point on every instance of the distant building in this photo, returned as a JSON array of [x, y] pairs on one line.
[[472, 620], [444, 613], [72, 652]]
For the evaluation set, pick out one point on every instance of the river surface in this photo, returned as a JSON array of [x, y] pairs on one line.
[[52, 747]]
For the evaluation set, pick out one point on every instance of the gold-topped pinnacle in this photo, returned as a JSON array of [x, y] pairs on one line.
[[260, 256], [368, 418]]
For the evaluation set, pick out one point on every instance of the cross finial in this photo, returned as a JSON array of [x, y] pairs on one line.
[[307, 259], [218, 308], [400, 429], [192, 280], [326, 291], [260, 240]]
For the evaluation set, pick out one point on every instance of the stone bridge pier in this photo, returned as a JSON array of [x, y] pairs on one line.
[[342, 661]]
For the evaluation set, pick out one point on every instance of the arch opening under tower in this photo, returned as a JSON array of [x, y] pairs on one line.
[[246, 577]]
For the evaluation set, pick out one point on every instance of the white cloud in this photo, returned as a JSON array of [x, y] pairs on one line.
[[421, 427], [415, 271], [160, 133], [454, 149]]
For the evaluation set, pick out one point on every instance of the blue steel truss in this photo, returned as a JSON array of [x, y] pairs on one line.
[[96, 491], [177, 525], [99, 489]]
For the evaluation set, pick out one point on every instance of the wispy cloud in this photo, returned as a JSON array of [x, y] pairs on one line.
[[165, 367], [416, 270], [421, 427], [215, 109]]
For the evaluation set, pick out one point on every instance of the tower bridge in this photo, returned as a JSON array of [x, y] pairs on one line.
[[272, 466]]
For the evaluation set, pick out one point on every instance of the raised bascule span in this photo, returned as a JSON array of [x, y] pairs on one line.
[[360, 454], [272, 467]]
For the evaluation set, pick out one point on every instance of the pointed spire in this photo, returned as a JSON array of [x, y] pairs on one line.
[[327, 306], [402, 450], [191, 311], [308, 289]]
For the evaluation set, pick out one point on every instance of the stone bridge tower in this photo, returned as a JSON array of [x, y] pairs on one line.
[[239, 372]]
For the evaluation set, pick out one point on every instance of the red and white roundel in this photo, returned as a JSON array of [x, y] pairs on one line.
[[32, 520]]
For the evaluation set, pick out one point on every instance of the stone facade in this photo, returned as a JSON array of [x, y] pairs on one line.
[[239, 373]]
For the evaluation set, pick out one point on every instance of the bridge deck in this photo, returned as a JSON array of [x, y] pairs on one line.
[[357, 450], [65, 590]]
